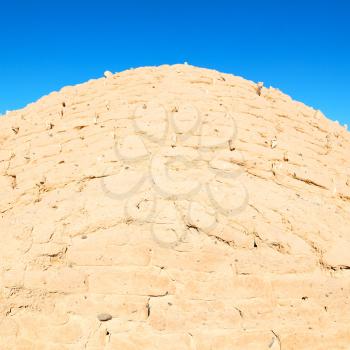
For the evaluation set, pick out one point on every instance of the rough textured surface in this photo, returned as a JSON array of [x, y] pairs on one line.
[[197, 209]]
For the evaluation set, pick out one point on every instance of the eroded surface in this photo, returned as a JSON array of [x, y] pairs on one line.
[[196, 213]]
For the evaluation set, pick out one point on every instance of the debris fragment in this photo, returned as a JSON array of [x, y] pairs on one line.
[[15, 129], [49, 125], [259, 86], [96, 118], [231, 146], [273, 143]]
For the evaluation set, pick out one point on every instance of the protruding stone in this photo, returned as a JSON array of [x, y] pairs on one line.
[[107, 74], [259, 86], [104, 317]]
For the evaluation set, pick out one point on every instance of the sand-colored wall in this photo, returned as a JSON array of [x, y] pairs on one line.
[[189, 209]]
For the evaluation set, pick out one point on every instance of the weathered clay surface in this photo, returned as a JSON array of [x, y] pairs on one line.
[[173, 208]]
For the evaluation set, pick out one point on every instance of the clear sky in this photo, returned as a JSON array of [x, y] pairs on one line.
[[300, 47]]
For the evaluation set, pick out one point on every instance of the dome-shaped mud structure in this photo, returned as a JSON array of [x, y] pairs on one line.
[[173, 208]]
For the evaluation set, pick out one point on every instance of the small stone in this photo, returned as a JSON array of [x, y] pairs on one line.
[[273, 143], [104, 317], [107, 74]]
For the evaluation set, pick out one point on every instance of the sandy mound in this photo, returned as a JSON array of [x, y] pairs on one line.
[[173, 208]]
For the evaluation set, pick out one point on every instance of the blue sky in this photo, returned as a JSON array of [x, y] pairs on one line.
[[300, 47]]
